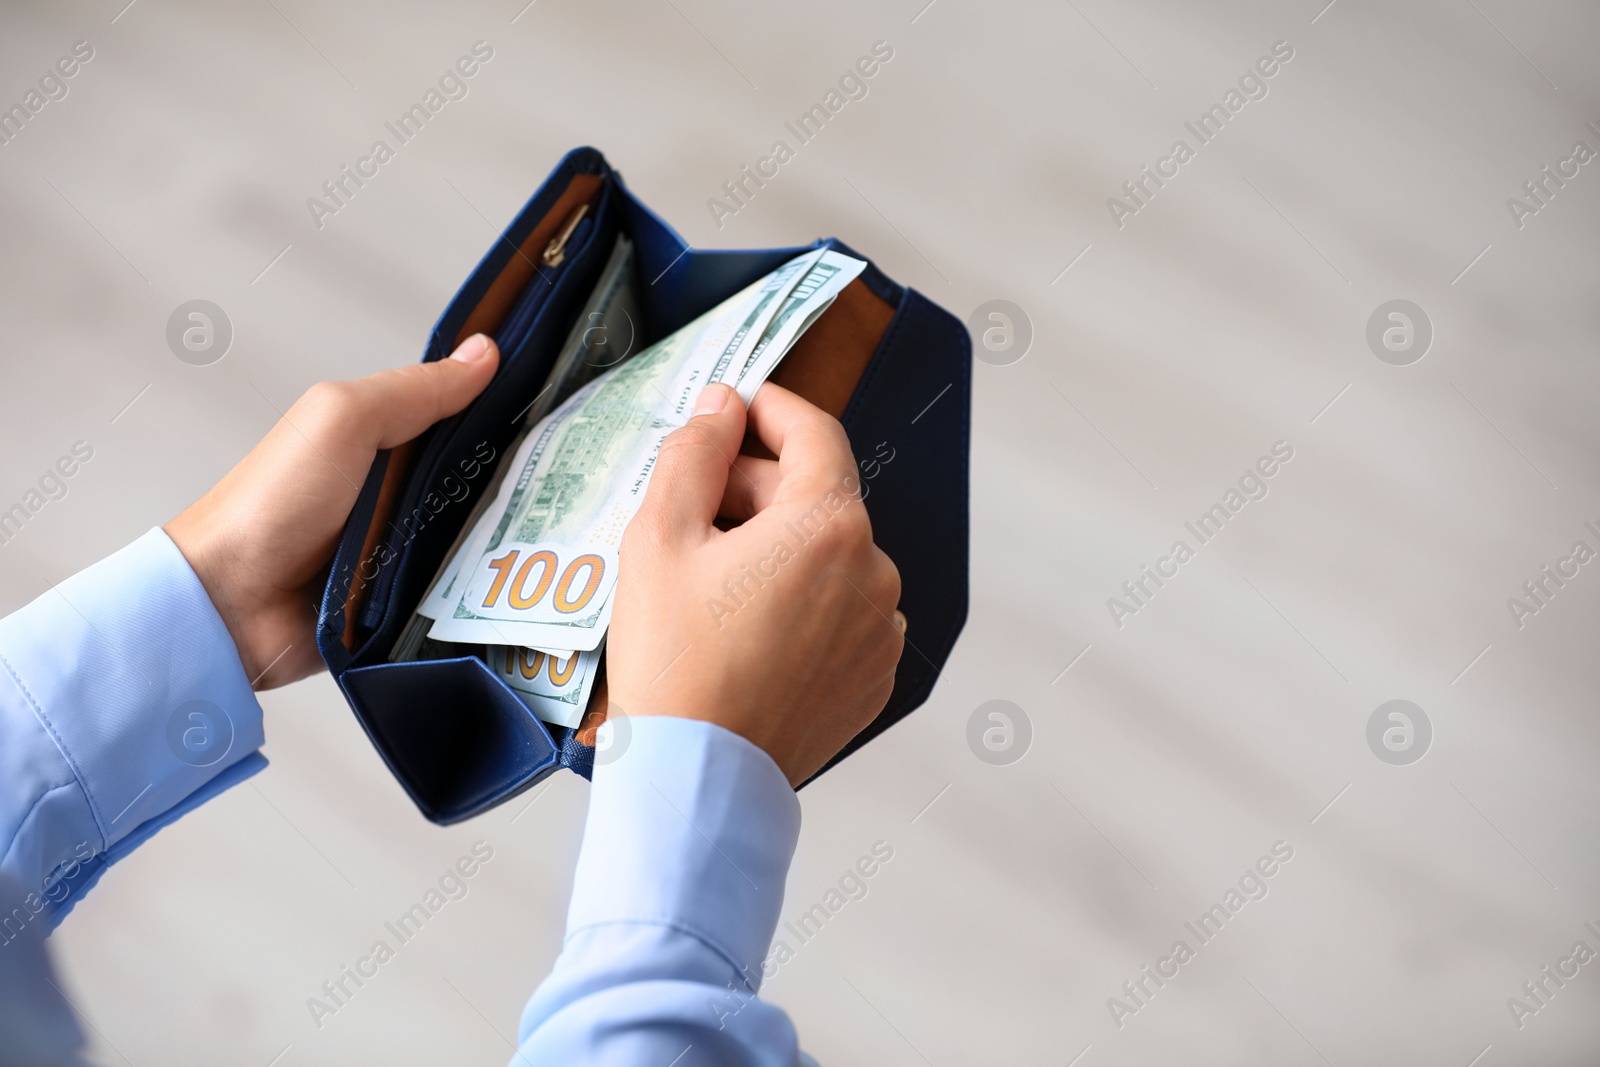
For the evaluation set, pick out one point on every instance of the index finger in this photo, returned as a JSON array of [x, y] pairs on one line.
[[810, 444]]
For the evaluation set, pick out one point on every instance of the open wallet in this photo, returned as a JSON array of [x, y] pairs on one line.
[[892, 366]]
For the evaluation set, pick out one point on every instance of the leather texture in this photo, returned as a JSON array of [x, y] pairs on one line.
[[456, 737]]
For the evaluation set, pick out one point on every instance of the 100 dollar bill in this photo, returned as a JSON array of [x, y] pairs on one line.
[[555, 688]]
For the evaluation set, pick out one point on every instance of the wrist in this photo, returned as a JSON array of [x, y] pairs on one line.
[[186, 531]]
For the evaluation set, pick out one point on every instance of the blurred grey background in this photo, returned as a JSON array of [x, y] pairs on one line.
[[1168, 749]]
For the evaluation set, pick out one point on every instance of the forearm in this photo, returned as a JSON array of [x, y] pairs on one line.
[[122, 705]]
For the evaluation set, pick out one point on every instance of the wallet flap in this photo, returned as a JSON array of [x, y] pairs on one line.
[[909, 424]]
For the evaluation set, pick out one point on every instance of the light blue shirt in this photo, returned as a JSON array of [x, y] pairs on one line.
[[123, 704]]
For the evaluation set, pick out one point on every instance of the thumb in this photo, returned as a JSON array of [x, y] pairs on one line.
[[402, 402], [691, 472]]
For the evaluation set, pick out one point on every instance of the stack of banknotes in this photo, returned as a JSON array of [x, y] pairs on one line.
[[528, 585]]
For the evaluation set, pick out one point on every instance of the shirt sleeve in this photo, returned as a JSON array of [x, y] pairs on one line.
[[674, 902], [123, 704]]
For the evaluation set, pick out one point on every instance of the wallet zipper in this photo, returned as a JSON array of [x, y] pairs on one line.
[[556, 250]]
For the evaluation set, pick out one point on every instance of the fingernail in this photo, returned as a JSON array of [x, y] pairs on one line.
[[713, 398], [472, 349]]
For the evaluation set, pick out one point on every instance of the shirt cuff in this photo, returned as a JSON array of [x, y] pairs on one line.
[[137, 689], [692, 827]]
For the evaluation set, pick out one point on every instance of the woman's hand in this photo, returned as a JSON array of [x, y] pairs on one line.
[[782, 629], [259, 537]]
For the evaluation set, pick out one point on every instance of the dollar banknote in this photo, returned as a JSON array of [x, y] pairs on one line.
[[555, 688], [801, 306], [539, 568]]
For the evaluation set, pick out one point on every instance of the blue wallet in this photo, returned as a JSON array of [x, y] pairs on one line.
[[895, 368]]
